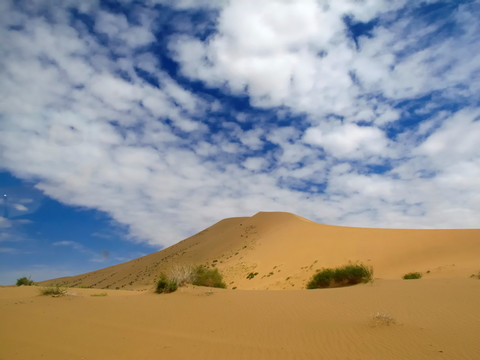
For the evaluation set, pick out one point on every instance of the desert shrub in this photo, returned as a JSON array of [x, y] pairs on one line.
[[346, 275], [25, 281], [208, 277], [321, 279], [181, 274], [53, 291], [251, 275], [412, 276], [475, 276], [382, 319], [166, 285]]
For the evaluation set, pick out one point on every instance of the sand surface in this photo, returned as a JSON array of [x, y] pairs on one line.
[[434, 319]]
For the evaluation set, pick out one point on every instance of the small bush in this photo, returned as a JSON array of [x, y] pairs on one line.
[[181, 274], [166, 285], [412, 276], [382, 319], [252, 275], [208, 277], [25, 281], [53, 291], [475, 276], [342, 276]]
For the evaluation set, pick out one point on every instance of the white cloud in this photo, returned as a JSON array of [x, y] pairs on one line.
[[71, 244], [254, 163], [349, 140], [79, 119], [4, 223], [117, 27], [20, 207]]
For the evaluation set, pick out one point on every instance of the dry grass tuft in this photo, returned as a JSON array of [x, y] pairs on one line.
[[382, 319], [181, 274], [54, 291]]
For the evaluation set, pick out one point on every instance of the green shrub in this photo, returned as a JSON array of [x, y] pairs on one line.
[[208, 277], [53, 291], [25, 281], [166, 285], [342, 276], [412, 275], [181, 275]]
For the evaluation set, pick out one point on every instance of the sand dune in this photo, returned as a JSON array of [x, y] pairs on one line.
[[436, 317], [285, 250]]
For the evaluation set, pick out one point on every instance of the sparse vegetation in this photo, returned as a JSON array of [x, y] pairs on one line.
[[166, 285], [382, 319], [53, 291], [99, 295], [25, 281], [475, 276], [346, 275], [412, 276], [181, 275], [251, 275], [208, 277]]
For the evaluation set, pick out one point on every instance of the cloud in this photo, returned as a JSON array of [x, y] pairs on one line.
[[4, 223], [273, 105], [71, 244], [349, 141], [20, 207], [93, 256]]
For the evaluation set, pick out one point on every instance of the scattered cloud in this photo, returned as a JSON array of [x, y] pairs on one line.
[[93, 256], [20, 207], [5, 250], [346, 112]]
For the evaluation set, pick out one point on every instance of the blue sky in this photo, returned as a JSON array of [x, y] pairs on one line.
[[127, 126]]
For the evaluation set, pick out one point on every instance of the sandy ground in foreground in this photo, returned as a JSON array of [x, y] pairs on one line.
[[434, 319]]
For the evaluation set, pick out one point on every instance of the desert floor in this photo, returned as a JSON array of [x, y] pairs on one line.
[[433, 319]]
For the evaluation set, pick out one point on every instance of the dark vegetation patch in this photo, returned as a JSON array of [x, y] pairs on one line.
[[346, 275], [412, 276]]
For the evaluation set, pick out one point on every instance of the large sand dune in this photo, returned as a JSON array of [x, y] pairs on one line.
[[436, 317], [285, 250]]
